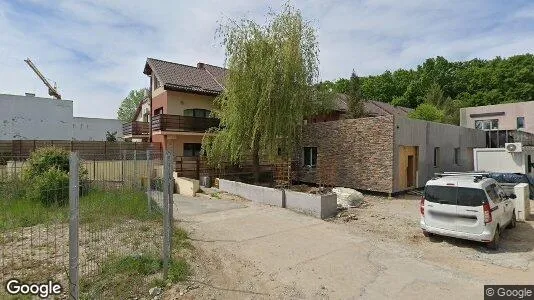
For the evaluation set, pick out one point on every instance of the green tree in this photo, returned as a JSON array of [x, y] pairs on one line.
[[270, 88], [435, 96], [129, 105], [356, 106], [472, 83], [427, 112]]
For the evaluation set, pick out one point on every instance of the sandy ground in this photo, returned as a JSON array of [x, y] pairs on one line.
[[377, 251]]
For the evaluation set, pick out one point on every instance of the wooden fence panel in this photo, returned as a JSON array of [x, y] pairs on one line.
[[19, 149]]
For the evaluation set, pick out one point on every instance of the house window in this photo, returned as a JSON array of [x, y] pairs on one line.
[[156, 82], [197, 113], [146, 115], [192, 149], [457, 156], [436, 157], [492, 124], [310, 156], [158, 111], [520, 122]]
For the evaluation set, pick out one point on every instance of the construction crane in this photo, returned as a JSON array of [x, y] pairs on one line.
[[52, 90]]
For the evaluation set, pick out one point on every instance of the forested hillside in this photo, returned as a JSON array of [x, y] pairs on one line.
[[443, 86]]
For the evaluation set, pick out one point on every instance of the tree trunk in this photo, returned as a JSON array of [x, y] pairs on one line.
[[256, 160]]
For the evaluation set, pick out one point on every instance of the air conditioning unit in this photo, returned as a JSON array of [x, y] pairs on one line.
[[513, 147]]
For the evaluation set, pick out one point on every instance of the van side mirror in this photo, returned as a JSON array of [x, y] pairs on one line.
[[512, 196]]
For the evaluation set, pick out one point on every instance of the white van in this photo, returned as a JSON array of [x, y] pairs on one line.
[[467, 207]]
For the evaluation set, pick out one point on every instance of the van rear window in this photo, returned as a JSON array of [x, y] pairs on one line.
[[471, 197], [441, 194], [454, 196]]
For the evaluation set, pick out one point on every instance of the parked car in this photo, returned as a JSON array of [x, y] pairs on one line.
[[467, 207]]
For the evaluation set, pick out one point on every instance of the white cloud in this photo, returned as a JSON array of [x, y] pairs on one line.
[[96, 50]]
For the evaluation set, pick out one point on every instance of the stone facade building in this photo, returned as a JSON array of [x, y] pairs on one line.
[[386, 154]]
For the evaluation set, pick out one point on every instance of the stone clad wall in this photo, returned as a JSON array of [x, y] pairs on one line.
[[354, 153]]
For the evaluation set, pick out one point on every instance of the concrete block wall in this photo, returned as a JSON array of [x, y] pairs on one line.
[[186, 186], [353, 153], [254, 193], [320, 206]]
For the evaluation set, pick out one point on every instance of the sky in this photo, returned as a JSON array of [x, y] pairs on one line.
[[96, 50]]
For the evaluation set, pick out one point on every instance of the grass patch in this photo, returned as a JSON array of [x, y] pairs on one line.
[[107, 207], [98, 206], [180, 240], [179, 270], [131, 276], [24, 213]]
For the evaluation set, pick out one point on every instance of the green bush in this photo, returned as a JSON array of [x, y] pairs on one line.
[[46, 176], [43, 159], [50, 187]]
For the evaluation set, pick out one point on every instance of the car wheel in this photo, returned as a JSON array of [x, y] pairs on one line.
[[494, 244], [513, 221], [427, 234]]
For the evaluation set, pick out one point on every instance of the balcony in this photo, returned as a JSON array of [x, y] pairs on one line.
[[182, 123], [135, 128]]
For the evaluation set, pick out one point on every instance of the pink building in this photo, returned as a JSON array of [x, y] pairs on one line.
[[510, 116]]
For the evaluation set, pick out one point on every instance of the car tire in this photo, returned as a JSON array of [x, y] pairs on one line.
[[427, 234], [494, 244], [513, 221]]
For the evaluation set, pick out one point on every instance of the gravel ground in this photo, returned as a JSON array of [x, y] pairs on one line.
[[397, 219], [256, 252]]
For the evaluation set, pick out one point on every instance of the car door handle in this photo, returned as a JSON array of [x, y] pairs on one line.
[[471, 210]]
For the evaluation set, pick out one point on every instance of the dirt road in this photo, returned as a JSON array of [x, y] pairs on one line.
[[247, 251]]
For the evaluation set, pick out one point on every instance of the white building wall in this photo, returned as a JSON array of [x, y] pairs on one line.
[[34, 118], [37, 118], [94, 129]]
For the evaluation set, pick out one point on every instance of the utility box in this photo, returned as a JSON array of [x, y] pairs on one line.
[[522, 202], [502, 160]]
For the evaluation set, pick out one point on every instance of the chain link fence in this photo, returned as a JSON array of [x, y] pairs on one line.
[[87, 222]]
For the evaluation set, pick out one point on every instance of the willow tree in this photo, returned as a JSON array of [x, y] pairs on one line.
[[269, 88]]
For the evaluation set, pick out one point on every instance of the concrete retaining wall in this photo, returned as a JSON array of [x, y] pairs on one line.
[[257, 194], [320, 206]]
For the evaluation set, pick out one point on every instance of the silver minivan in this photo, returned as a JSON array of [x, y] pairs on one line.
[[467, 207]]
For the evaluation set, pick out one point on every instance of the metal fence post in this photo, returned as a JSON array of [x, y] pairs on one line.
[[123, 155], [73, 226], [167, 215], [148, 180], [135, 169]]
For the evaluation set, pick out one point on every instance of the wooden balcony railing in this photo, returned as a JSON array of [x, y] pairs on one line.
[[182, 123], [135, 128]]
